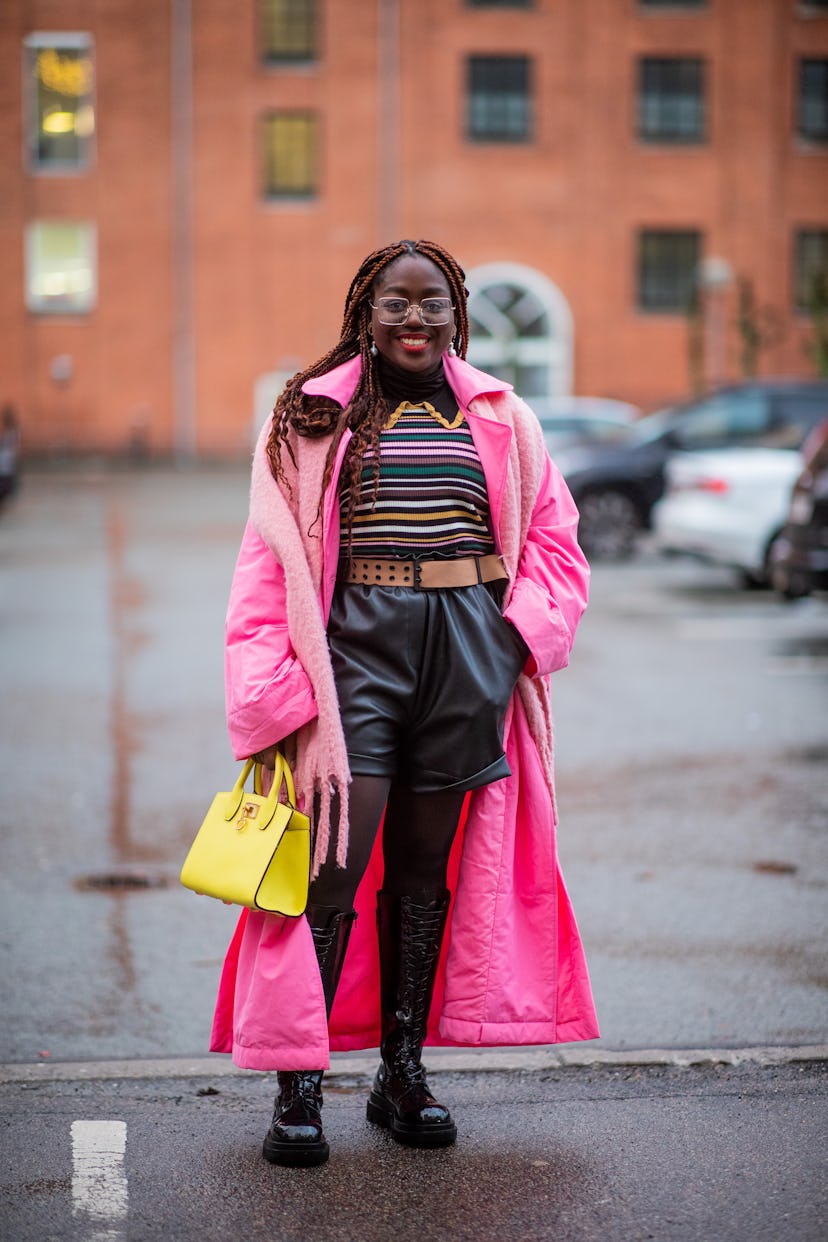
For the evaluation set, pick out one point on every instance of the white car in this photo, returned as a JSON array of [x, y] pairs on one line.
[[727, 506]]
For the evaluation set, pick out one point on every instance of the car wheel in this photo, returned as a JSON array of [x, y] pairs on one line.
[[762, 580], [609, 525]]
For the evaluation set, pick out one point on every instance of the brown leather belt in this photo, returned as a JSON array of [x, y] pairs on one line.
[[424, 575]]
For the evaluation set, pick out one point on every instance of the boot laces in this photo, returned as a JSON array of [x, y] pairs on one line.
[[300, 1088], [419, 948]]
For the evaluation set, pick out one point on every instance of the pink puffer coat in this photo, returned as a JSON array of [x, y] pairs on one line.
[[512, 968]]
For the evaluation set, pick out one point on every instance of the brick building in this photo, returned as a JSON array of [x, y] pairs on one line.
[[188, 186]]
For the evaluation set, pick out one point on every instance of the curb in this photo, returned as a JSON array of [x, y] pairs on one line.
[[438, 1060]]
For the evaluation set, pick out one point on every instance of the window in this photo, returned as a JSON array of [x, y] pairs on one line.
[[520, 328], [668, 260], [810, 267], [727, 418], [291, 155], [671, 99], [59, 105], [498, 103], [812, 112], [288, 30], [60, 268]]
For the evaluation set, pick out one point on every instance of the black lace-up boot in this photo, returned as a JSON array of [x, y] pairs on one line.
[[295, 1136], [410, 934]]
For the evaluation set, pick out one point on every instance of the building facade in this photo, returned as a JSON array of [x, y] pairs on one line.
[[638, 192]]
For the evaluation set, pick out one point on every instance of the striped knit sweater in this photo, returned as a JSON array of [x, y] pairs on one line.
[[431, 500]]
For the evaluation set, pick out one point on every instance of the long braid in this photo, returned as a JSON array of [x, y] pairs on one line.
[[367, 413]]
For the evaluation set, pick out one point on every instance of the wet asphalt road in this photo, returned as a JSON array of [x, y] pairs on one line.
[[692, 747], [614, 1155]]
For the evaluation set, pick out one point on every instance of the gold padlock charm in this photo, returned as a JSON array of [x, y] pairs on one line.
[[249, 811]]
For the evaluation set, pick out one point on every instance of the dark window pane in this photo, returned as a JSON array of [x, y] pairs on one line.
[[291, 154], [671, 99], [667, 265], [812, 112], [288, 29], [499, 108], [61, 115], [725, 418], [810, 267]]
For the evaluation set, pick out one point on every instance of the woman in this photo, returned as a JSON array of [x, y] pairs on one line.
[[408, 578]]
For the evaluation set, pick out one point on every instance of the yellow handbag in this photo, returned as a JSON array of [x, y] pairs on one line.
[[253, 850]]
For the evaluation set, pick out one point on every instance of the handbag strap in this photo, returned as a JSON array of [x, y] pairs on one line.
[[282, 775]]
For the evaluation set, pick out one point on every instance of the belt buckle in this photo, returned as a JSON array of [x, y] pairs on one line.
[[418, 580]]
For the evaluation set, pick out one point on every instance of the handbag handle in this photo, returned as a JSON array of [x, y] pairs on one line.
[[282, 775]]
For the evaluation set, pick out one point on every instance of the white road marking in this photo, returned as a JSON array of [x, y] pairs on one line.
[[99, 1183]]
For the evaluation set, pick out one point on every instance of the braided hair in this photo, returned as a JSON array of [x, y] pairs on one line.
[[367, 411]]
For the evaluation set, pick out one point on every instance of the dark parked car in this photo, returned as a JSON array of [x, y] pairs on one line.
[[615, 486], [570, 421], [9, 451], [799, 557]]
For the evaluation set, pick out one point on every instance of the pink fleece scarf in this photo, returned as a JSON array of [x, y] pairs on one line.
[[287, 520]]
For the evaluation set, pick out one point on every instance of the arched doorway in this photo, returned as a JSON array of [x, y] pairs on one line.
[[520, 329]]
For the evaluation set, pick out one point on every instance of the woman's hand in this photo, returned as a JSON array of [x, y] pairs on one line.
[[266, 757]]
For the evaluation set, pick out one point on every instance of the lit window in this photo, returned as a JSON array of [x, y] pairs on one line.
[[671, 99], [60, 268], [812, 113], [499, 104], [291, 155], [668, 261], [60, 110], [288, 30], [810, 268]]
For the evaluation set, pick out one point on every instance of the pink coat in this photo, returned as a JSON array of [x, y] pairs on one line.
[[512, 968]]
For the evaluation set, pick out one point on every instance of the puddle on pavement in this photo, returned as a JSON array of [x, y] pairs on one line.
[[120, 882]]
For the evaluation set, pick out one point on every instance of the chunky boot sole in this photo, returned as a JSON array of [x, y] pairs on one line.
[[295, 1155], [381, 1113]]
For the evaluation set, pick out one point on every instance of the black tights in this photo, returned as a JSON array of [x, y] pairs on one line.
[[416, 841]]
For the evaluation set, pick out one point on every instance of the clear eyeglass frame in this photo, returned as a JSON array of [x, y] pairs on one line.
[[393, 312]]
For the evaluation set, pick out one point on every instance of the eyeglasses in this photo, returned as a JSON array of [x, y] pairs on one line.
[[395, 311]]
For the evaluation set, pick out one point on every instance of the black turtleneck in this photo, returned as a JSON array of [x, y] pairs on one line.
[[415, 386]]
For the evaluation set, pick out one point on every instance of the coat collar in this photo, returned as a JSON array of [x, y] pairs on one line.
[[465, 380]]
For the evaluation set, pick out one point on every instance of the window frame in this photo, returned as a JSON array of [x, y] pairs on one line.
[[38, 305], [503, 137], [287, 60], [816, 139], [671, 136], [675, 307], [68, 40], [798, 270], [293, 195]]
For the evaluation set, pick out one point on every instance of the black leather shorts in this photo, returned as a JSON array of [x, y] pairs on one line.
[[424, 680]]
